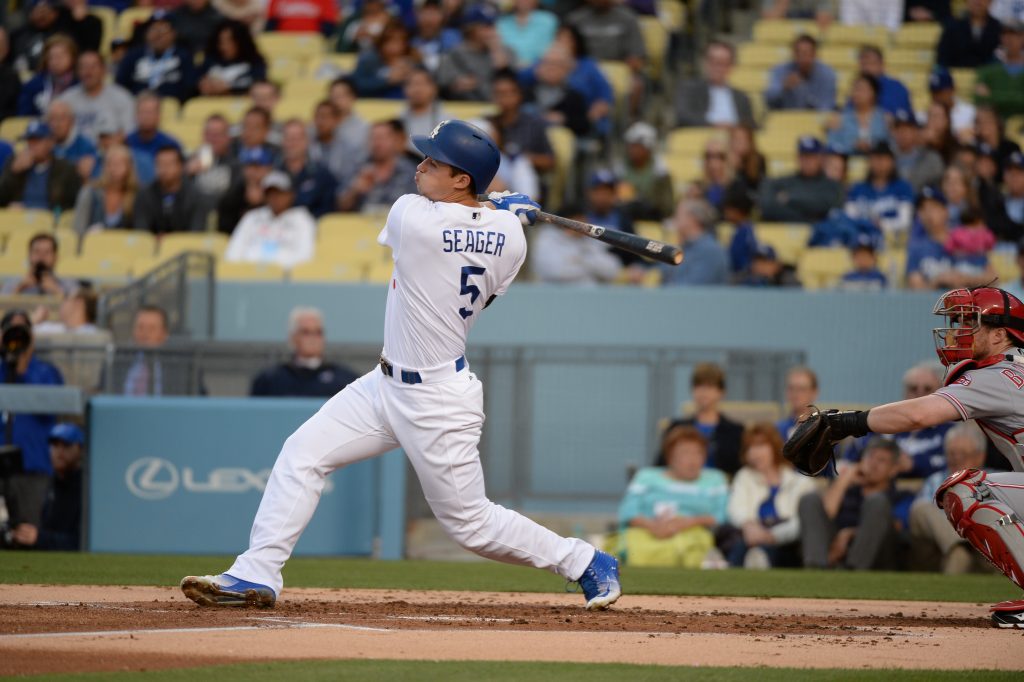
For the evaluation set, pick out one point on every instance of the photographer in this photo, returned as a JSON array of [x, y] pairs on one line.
[[41, 278], [62, 510], [25, 466]]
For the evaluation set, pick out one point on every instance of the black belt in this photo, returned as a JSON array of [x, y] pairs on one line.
[[412, 377]]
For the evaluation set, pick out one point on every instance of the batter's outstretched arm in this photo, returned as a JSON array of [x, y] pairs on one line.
[[911, 415]]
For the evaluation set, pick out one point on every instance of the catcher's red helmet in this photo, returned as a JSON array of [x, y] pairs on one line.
[[966, 310]]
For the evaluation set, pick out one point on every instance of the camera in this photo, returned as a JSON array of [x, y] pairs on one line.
[[15, 341], [39, 270]]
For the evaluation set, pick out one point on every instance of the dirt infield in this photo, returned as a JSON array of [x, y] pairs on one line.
[[91, 628]]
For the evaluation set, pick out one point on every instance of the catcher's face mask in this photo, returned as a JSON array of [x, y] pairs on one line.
[[955, 341]]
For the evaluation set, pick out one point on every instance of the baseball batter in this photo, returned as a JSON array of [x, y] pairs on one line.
[[452, 256], [981, 345]]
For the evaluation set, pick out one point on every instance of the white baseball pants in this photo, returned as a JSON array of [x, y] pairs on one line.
[[438, 425]]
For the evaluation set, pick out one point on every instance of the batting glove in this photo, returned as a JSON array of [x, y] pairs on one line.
[[520, 204]]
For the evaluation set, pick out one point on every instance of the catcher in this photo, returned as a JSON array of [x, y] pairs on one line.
[[981, 345]]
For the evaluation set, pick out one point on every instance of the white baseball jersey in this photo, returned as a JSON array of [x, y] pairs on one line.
[[992, 393], [450, 259]]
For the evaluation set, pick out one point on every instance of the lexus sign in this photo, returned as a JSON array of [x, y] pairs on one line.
[[154, 478]]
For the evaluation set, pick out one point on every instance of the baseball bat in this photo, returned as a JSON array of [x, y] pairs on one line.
[[651, 248]]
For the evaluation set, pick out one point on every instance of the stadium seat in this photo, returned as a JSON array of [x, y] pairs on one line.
[[294, 106], [683, 169], [299, 45], [108, 267], [68, 241], [12, 264], [305, 88], [1005, 265], [781, 166], [893, 264], [14, 127], [823, 267], [1015, 129], [751, 80], [282, 68], [619, 76], [762, 55], [793, 124], [380, 271], [650, 229], [564, 143], [656, 43], [328, 271], [788, 239], [918, 35], [131, 243], [188, 133], [724, 233], [916, 81], [207, 242], [908, 60], [129, 18], [198, 108], [468, 111], [170, 110], [250, 272], [107, 17], [691, 141], [782, 31], [25, 219], [839, 34], [839, 56], [964, 80], [330, 66], [374, 110]]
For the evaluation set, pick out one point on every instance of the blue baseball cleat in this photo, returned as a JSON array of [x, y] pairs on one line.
[[600, 582], [226, 590]]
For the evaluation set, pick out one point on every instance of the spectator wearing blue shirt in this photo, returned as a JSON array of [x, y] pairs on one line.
[[147, 138], [383, 69], [68, 143], [801, 392], [25, 491], [865, 275], [883, 199], [736, 210], [893, 95], [706, 262], [804, 82], [862, 124], [314, 185], [527, 31], [6, 151], [432, 38], [603, 208], [159, 65], [930, 265], [34, 178]]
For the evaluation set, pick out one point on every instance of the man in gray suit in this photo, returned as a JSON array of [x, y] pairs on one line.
[[709, 101]]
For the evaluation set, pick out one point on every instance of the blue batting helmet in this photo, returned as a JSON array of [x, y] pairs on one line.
[[465, 147]]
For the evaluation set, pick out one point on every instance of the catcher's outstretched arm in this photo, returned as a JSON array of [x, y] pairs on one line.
[[911, 415]]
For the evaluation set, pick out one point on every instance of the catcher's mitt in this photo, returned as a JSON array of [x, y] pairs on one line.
[[810, 448]]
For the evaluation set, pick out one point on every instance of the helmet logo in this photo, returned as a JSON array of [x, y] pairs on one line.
[[437, 129]]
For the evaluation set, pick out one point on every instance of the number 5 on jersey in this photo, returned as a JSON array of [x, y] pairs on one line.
[[471, 290]]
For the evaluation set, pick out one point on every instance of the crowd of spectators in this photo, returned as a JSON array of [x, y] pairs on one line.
[[720, 493]]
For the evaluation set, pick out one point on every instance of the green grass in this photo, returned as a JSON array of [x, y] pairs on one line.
[[122, 569], [475, 671]]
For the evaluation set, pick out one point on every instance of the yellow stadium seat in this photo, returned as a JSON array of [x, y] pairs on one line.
[[762, 55], [839, 56], [782, 31], [893, 264], [656, 44], [1015, 129], [328, 271], [683, 170], [30, 220], [468, 111], [916, 81], [780, 143], [857, 168], [284, 67], [14, 127], [619, 76], [374, 110], [188, 133], [106, 267], [779, 166], [301, 45], [794, 123], [672, 13], [68, 241], [918, 35], [12, 264], [294, 106], [107, 17], [788, 239], [129, 243], [250, 272], [304, 88], [129, 18], [564, 143], [198, 108], [692, 141], [839, 34], [178, 242], [963, 81], [724, 233], [650, 229], [823, 267], [905, 59], [380, 272], [1005, 265], [330, 66], [170, 110], [750, 80]]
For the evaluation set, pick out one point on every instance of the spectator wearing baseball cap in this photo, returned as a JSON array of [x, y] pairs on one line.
[[766, 270], [466, 71], [246, 191], [645, 186], [804, 82], [603, 207], [865, 275], [916, 163], [971, 40], [883, 199], [1001, 83], [279, 233], [808, 195], [942, 88], [35, 178], [60, 525], [159, 65]]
